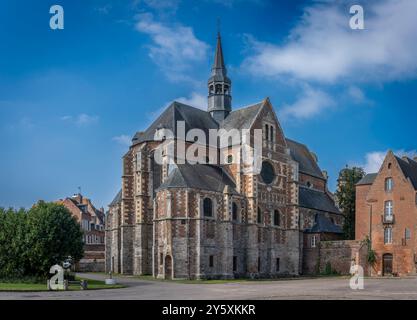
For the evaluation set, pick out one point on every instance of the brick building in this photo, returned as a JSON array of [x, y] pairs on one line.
[[92, 223], [386, 212], [195, 221]]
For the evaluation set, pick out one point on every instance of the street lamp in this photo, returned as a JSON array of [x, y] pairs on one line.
[[369, 204]]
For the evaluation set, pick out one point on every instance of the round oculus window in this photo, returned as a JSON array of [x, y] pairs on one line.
[[267, 172]]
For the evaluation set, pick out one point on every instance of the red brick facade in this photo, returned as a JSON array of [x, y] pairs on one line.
[[389, 206]]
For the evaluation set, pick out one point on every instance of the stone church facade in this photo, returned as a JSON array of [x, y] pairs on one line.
[[204, 221]]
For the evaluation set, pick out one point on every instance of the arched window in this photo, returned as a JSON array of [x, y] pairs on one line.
[[277, 218], [272, 134], [266, 132], [230, 159], [218, 88], [259, 217], [234, 211], [226, 89], [208, 207], [389, 165], [211, 89], [267, 172]]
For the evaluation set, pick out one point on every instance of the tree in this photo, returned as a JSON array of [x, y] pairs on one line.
[[33, 241], [14, 248], [54, 235], [346, 197]]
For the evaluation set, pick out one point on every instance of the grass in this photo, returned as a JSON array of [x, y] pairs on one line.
[[36, 287]]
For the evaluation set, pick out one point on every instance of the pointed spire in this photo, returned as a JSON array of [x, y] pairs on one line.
[[218, 65]]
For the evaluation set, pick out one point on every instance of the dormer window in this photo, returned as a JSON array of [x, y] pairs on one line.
[[388, 184], [309, 185]]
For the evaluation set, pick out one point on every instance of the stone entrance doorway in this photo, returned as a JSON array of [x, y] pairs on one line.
[[387, 264], [168, 267]]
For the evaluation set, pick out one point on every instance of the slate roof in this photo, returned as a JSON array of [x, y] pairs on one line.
[[199, 176], [317, 200], [242, 118], [117, 199], [368, 179], [306, 163], [323, 224], [409, 168], [194, 119]]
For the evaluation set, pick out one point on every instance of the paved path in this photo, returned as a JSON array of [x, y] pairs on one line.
[[327, 288]]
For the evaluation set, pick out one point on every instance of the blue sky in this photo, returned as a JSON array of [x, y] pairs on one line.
[[71, 99]]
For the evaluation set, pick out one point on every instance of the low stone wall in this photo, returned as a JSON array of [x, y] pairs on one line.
[[336, 254]]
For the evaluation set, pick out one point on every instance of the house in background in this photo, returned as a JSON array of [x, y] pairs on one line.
[[92, 223], [386, 212]]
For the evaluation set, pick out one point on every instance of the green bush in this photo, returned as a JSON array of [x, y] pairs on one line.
[[33, 241]]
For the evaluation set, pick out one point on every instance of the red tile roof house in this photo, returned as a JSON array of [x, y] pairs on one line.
[[92, 223]]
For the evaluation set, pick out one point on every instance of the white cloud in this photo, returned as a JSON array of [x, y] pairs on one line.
[[123, 140], [323, 48], [309, 104], [81, 119], [175, 49], [195, 100], [373, 160], [157, 4]]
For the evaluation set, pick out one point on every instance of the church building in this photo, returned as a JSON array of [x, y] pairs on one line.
[[215, 219]]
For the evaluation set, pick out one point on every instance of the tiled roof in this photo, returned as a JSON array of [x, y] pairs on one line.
[[409, 168], [306, 163], [198, 176], [242, 118], [368, 179], [323, 224], [194, 119], [117, 199], [317, 200]]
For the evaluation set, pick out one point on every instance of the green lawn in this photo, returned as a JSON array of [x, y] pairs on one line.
[[92, 285]]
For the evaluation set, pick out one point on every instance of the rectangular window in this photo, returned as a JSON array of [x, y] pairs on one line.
[[313, 241], [277, 265], [211, 261], [259, 264], [388, 235], [234, 263], [407, 234], [388, 184], [388, 210]]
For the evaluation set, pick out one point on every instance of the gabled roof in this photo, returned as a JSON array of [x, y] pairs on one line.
[[242, 118], [409, 168], [199, 176], [368, 179], [324, 225], [317, 200], [306, 163], [117, 199], [194, 118]]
